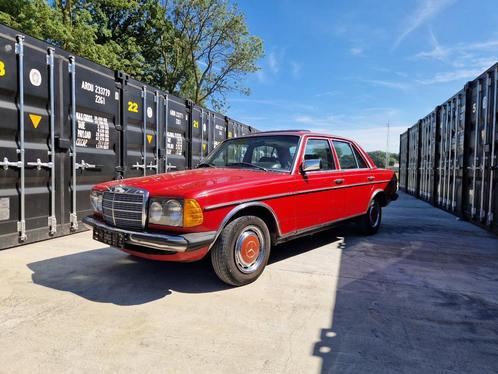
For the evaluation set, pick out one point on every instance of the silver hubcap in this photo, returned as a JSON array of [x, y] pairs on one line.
[[250, 249], [374, 213]]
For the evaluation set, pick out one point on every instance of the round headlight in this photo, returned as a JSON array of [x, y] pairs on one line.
[[155, 211], [173, 213]]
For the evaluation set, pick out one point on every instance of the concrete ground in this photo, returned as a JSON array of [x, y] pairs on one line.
[[421, 296]]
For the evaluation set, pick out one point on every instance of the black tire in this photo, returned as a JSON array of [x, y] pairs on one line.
[[369, 223], [237, 246]]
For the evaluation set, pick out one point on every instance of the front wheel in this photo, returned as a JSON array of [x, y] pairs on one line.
[[241, 252], [370, 222]]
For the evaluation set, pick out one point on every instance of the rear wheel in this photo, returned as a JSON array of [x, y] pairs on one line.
[[370, 222], [241, 252]]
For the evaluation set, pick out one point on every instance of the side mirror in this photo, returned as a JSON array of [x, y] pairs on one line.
[[311, 165]]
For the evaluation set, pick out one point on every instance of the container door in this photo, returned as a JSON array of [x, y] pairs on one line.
[[27, 188], [197, 132], [135, 137], [220, 129], [492, 199], [476, 155], [206, 125], [94, 104], [176, 135]]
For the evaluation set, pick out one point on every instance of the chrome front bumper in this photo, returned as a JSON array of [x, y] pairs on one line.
[[156, 240]]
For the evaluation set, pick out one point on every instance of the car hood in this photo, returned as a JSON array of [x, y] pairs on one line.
[[199, 182]]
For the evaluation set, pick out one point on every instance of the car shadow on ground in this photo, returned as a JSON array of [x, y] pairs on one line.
[[108, 275]]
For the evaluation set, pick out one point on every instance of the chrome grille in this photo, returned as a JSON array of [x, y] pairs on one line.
[[124, 207]]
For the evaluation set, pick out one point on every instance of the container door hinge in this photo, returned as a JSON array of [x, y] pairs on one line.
[[52, 224], [21, 229], [152, 166], [39, 164], [5, 164], [73, 220], [138, 166]]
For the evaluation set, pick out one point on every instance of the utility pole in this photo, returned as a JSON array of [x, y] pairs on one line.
[[387, 147]]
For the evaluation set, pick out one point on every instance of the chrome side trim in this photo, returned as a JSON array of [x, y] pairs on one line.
[[277, 196], [312, 229], [238, 209]]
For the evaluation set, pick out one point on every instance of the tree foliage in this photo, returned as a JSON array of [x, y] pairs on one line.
[[200, 49], [379, 158]]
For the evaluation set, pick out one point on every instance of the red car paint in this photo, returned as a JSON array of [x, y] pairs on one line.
[[299, 201]]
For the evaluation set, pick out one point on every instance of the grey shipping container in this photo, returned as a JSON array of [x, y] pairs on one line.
[[403, 161], [68, 124], [462, 149], [429, 127], [413, 159]]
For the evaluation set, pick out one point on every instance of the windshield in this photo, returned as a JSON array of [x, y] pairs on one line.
[[271, 153]]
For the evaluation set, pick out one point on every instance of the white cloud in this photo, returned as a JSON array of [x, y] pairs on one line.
[[296, 69], [273, 62], [425, 11], [356, 51], [328, 93], [438, 52], [388, 84], [451, 76]]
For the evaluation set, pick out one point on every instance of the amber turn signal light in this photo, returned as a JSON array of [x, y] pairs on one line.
[[192, 213]]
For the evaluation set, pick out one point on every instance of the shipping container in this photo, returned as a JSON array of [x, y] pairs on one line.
[[403, 161], [68, 124], [458, 153], [413, 160], [429, 127]]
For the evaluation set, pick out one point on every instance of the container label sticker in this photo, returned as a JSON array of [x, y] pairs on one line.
[[4, 208], [175, 143], [149, 112], [132, 107], [2, 68], [149, 138], [35, 77], [101, 93], [35, 120], [93, 131], [196, 124]]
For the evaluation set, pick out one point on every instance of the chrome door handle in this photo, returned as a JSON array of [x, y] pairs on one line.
[[339, 181], [371, 178]]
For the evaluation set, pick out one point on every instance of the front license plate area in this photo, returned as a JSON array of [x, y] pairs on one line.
[[114, 239]]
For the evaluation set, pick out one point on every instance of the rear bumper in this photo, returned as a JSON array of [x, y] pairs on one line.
[[169, 244]]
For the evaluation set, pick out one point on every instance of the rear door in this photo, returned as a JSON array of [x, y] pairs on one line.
[[355, 181]]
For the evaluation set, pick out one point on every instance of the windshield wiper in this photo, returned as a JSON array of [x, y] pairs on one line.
[[205, 165], [247, 164]]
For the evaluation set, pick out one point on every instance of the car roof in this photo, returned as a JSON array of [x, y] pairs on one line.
[[299, 133]]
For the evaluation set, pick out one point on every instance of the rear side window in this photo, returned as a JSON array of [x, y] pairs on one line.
[[320, 149], [359, 159], [346, 156]]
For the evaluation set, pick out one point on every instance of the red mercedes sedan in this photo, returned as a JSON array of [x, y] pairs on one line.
[[249, 194]]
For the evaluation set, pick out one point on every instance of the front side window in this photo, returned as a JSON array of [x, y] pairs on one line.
[[273, 152], [320, 149], [345, 155]]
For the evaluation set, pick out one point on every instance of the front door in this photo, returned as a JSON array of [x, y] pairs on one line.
[[316, 198]]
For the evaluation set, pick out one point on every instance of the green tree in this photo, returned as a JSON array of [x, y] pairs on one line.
[[379, 158], [214, 45], [199, 49]]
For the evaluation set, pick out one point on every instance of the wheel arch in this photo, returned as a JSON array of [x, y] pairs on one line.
[[379, 194], [255, 208]]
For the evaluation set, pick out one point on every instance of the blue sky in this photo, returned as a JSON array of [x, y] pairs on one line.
[[349, 67]]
